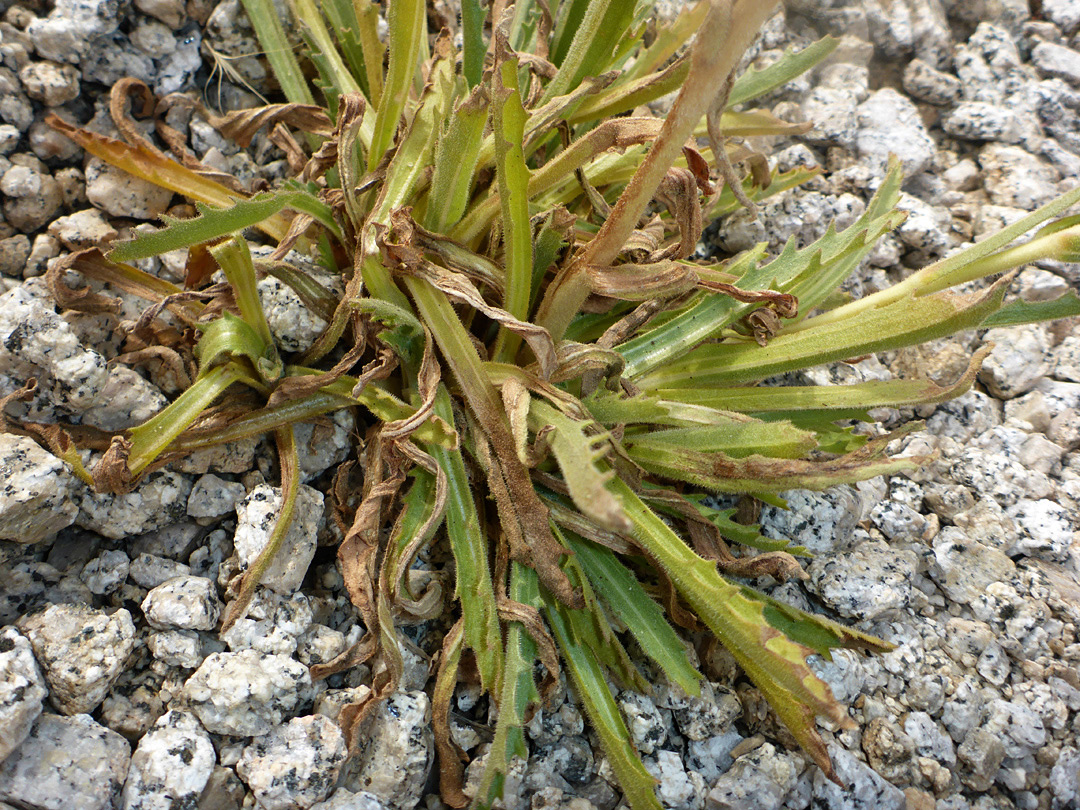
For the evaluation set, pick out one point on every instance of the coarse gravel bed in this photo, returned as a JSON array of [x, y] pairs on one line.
[[116, 689]]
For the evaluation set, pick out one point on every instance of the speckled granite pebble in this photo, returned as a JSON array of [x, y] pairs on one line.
[[295, 765], [171, 766], [66, 762], [21, 690], [82, 652]]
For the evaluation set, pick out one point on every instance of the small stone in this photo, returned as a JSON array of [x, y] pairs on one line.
[[120, 194], [676, 788], [256, 516], [982, 121], [44, 248], [1065, 778], [962, 568], [36, 493], [127, 400], [870, 581], [929, 740], [320, 446], [50, 83], [889, 123], [1018, 361], [33, 196], [294, 326], [177, 648], [760, 780], [1063, 13], [343, 799], [980, 754], [295, 765], [820, 521], [271, 624], [394, 759], [160, 499], [648, 731], [864, 788], [106, 572], [170, 12], [1045, 529], [66, 762], [1067, 359], [1019, 728], [83, 229], [929, 84], [1055, 61], [21, 690], [82, 652], [14, 251], [246, 694], [171, 766], [320, 644], [148, 570], [212, 497], [183, 603], [1015, 177], [888, 749]]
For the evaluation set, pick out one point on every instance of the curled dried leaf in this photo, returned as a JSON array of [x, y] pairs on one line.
[[241, 125]]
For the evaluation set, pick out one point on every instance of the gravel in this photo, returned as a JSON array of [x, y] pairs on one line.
[[111, 605]]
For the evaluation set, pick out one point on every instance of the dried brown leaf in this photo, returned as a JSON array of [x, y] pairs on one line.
[[241, 125], [642, 282]]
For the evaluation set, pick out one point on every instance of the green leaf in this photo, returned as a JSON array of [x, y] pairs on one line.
[[518, 692], [408, 23], [590, 53], [1020, 311], [455, 162], [755, 83], [578, 452], [763, 474], [512, 175], [234, 258], [625, 597], [903, 323], [738, 438], [275, 44], [230, 337], [474, 587], [588, 678], [214, 223], [153, 436], [754, 630]]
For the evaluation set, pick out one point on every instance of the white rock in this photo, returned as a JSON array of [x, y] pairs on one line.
[[759, 780], [66, 762], [160, 499], [1045, 529], [149, 570], [864, 787], [171, 766], [82, 652], [1013, 176], [177, 648], [256, 516], [980, 755], [1018, 727], [982, 121], [889, 123], [295, 765], [1056, 61], [213, 497], [36, 493], [246, 694], [106, 572], [36, 342], [647, 727], [272, 623], [343, 799], [33, 195], [21, 690], [50, 83], [869, 581], [927, 83], [120, 194], [83, 229], [294, 326], [1065, 778], [395, 757], [183, 603], [963, 568], [128, 400], [676, 788], [320, 446], [1018, 361]]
